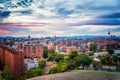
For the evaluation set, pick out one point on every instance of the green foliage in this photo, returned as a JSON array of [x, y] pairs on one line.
[[100, 50], [73, 54], [53, 70], [93, 47], [96, 63], [51, 51], [45, 52], [59, 57], [118, 68], [109, 70], [1, 78], [42, 64], [33, 72], [8, 76], [110, 51], [91, 53], [83, 59], [105, 59], [56, 57], [52, 57], [61, 67], [71, 65], [115, 60], [6, 73]]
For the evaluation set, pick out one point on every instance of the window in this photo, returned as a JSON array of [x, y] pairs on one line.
[[38, 49], [28, 49], [34, 49]]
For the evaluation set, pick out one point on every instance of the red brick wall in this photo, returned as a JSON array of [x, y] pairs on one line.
[[2, 55], [13, 60], [19, 60]]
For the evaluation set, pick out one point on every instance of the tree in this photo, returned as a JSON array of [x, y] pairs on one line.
[[91, 54], [42, 64], [73, 54], [52, 57], [96, 64], [51, 51], [93, 47], [83, 60], [6, 73], [59, 57], [45, 52], [115, 60], [71, 64], [105, 59], [110, 51]]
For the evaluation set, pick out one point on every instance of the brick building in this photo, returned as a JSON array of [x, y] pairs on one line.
[[13, 60], [31, 49]]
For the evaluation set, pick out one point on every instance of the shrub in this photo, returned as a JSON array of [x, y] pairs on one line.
[[109, 69], [33, 72], [59, 57], [91, 53], [71, 65], [53, 70], [6, 73], [1, 78], [42, 64], [61, 67]]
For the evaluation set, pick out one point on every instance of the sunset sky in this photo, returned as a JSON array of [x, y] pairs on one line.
[[59, 17]]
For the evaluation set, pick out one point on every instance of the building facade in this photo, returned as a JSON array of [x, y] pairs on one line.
[[13, 60], [31, 49]]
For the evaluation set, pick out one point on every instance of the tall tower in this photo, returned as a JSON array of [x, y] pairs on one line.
[[109, 33], [29, 37]]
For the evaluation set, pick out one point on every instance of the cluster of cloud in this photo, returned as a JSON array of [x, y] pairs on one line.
[[59, 17]]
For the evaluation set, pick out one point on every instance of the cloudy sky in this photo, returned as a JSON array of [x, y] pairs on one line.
[[59, 17]]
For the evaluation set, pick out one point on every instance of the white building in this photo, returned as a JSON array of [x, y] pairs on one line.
[[29, 63], [116, 51]]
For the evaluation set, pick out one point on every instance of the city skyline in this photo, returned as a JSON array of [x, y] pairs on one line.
[[40, 18]]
